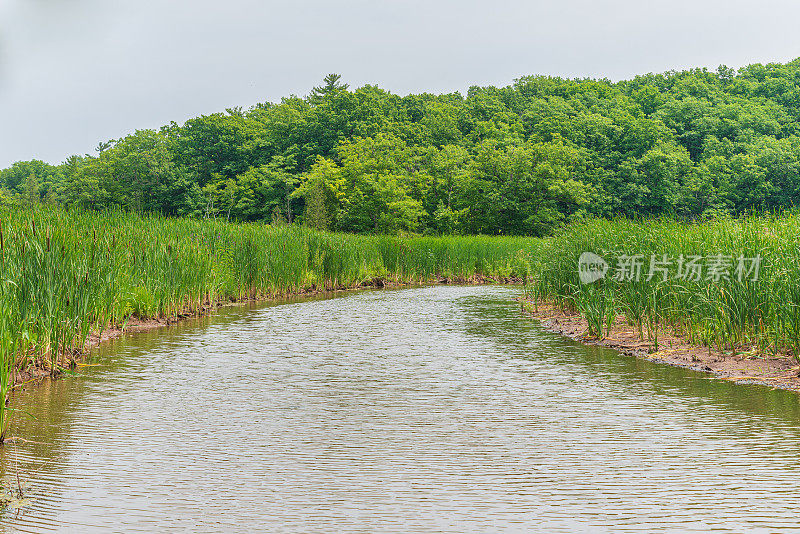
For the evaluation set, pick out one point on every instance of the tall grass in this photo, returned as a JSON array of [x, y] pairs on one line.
[[728, 313], [66, 274]]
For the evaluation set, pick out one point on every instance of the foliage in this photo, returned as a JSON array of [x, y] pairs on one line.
[[524, 159]]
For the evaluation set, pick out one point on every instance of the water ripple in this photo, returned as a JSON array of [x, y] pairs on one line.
[[426, 410]]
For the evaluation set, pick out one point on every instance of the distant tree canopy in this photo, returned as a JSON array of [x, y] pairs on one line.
[[522, 159]]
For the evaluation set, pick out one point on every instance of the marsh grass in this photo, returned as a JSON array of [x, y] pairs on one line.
[[596, 303], [64, 275], [727, 314]]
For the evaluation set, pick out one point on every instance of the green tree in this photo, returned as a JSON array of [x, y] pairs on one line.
[[331, 87], [32, 189]]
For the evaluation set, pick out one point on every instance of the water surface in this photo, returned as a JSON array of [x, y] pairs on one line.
[[438, 409]]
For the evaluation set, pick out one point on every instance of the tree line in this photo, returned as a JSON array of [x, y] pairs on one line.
[[522, 159]]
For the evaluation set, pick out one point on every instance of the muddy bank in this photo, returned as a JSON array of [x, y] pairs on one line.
[[744, 365], [40, 370]]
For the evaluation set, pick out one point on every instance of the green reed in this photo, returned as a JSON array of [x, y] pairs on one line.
[[726, 313], [596, 303], [65, 275]]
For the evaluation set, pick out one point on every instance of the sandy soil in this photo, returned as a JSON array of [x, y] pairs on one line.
[[742, 366]]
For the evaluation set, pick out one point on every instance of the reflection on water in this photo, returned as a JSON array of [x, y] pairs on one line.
[[426, 410]]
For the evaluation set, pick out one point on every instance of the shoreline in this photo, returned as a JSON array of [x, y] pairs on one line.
[[741, 366], [36, 373]]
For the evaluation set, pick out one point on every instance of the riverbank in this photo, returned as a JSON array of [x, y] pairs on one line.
[[744, 365], [732, 284]]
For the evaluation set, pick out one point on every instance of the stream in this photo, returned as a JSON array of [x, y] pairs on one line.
[[436, 409]]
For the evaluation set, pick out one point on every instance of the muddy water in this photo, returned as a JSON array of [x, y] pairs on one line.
[[425, 410]]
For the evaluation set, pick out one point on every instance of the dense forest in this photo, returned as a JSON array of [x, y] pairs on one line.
[[522, 159]]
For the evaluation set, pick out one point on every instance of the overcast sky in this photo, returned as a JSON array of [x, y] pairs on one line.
[[75, 72]]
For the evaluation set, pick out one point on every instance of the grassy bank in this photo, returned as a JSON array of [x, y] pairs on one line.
[[718, 307], [65, 275]]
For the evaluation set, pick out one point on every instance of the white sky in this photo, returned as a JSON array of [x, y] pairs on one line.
[[75, 72]]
